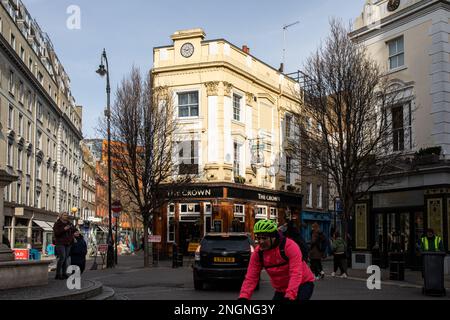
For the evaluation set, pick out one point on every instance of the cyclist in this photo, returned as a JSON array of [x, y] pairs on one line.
[[289, 274]]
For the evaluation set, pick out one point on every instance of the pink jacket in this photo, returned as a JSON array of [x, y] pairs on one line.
[[284, 279]]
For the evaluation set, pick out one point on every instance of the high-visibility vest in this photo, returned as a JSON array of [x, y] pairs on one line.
[[426, 246]]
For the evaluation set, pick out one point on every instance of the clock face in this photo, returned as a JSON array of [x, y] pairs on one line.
[[187, 50], [393, 5]]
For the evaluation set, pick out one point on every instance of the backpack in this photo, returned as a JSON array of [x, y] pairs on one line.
[[301, 244]]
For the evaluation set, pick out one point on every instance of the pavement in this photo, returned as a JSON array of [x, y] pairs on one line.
[[131, 281]]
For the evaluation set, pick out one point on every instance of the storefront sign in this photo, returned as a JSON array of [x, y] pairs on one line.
[[21, 254], [398, 199], [198, 192], [102, 248], [279, 198]]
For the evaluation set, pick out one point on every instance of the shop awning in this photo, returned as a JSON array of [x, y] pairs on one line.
[[44, 225], [103, 229]]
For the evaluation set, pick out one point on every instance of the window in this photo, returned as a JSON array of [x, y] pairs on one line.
[[20, 124], [274, 214], [319, 197], [11, 118], [10, 156], [22, 53], [396, 53], [39, 140], [29, 133], [27, 196], [40, 77], [309, 195], [236, 161], [261, 212], [288, 125], [188, 157], [30, 64], [28, 163], [29, 101], [40, 111], [38, 170], [19, 160], [237, 107], [21, 92], [239, 211], [401, 127], [38, 199], [13, 41], [19, 193], [11, 84], [188, 104], [288, 169]]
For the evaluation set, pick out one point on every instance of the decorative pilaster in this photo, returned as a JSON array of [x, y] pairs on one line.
[[212, 88], [227, 88]]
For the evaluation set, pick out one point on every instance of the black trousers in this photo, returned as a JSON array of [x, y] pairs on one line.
[[305, 292], [340, 262], [316, 266]]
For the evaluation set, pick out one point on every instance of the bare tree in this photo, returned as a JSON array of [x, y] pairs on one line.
[[346, 126], [143, 129]]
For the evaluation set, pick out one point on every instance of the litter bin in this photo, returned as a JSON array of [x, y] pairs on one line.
[[433, 273], [396, 266]]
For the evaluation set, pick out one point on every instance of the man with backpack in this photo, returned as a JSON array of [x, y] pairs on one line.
[[339, 249], [317, 251], [289, 274]]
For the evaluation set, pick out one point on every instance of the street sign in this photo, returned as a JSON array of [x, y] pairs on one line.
[[154, 238], [116, 206], [193, 246]]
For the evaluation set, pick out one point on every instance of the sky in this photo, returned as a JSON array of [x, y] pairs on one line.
[[129, 30]]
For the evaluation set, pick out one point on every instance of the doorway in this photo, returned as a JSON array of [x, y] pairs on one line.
[[188, 232], [397, 232]]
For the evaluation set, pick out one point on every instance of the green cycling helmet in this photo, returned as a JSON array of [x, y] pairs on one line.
[[265, 226]]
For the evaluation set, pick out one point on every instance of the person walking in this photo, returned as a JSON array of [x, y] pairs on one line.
[[290, 276], [78, 251], [317, 251], [63, 231], [339, 250]]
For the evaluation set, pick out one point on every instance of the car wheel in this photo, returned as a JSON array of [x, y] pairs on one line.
[[198, 285]]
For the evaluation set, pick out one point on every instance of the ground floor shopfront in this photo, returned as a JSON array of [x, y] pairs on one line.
[[395, 220], [193, 211]]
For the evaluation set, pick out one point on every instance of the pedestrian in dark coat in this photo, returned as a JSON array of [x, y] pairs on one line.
[[63, 231], [78, 251], [317, 251]]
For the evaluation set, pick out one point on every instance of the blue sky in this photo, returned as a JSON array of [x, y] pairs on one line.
[[130, 29]]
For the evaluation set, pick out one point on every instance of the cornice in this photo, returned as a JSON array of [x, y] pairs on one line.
[[183, 69]]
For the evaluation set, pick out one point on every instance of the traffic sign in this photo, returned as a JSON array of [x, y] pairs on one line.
[[116, 206]]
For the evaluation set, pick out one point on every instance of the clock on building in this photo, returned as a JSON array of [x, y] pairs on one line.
[[393, 5], [187, 49]]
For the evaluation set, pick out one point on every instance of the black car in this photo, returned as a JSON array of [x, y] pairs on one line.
[[222, 256]]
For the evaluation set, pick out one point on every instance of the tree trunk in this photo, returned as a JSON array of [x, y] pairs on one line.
[[146, 255]]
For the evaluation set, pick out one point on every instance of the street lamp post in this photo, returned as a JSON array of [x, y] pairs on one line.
[[102, 71]]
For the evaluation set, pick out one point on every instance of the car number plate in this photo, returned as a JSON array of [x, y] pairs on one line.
[[224, 259]]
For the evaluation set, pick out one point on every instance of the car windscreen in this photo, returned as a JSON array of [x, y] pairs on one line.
[[225, 243]]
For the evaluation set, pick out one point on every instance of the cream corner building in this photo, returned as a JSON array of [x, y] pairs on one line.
[[235, 115], [410, 41]]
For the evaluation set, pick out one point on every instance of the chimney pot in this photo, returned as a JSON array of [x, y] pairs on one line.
[[246, 49]]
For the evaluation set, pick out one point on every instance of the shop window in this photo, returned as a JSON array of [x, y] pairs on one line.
[[261, 212], [170, 229], [274, 214]]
